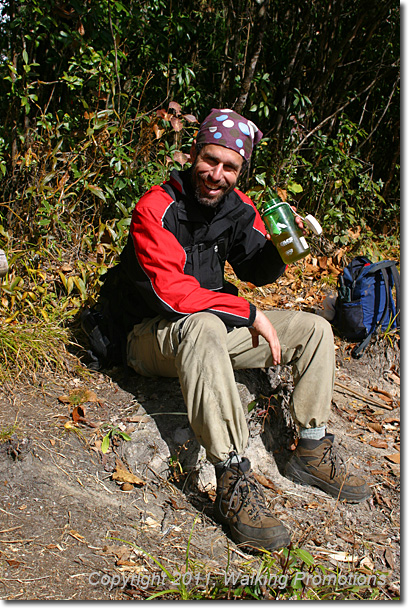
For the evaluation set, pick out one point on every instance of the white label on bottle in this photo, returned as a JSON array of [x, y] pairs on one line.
[[304, 243], [286, 242]]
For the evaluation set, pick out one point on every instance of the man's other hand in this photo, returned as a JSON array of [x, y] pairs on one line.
[[263, 327]]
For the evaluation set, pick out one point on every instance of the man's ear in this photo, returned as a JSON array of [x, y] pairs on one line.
[[193, 152]]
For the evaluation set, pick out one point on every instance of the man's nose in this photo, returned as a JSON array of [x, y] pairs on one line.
[[217, 172]]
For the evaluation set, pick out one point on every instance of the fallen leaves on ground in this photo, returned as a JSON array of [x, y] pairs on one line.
[[267, 483], [79, 397], [122, 475]]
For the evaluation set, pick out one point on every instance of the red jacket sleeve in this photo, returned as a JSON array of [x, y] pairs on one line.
[[173, 293]]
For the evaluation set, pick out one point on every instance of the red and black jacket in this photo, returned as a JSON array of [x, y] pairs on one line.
[[173, 262]]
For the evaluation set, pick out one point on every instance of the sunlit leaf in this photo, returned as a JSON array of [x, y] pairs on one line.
[[96, 190], [176, 123], [175, 106]]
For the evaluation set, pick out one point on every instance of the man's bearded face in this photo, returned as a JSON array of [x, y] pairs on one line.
[[215, 172]]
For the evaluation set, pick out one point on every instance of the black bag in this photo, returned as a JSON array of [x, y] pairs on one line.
[[103, 334], [365, 301], [103, 325]]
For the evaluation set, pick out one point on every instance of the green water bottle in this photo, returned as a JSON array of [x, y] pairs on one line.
[[280, 223]]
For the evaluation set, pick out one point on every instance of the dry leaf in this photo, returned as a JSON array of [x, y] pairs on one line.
[[100, 252], [158, 132], [391, 420], [339, 556], [180, 157], [332, 269], [163, 114], [379, 391], [135, 419], [378, 443], [77, 536], [125, 562], [388, 556], [121, 552], [393, 377], [266, 482], [78, 414], [311, 270], [123, 475], [377, 538], [177, 124], [282, 194], [79, 396], [70, 426], [395, 458], [151, 522], [87, 395], [175, 106], [64, 399], [367, 563], [337, 257], [190, 118], [174, 504], [311, 505], [376, 427]]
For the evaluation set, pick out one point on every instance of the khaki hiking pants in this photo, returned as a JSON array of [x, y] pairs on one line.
[[199, 350]]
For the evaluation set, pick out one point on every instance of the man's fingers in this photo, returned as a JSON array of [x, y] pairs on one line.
[[262, 326]]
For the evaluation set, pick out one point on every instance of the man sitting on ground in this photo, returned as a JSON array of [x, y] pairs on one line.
[[184, 320]]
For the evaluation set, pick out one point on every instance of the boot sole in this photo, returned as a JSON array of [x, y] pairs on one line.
[[281, 540], [278, 542], [307, 479]]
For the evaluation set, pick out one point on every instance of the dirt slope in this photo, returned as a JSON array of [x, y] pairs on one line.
[[66, 517]]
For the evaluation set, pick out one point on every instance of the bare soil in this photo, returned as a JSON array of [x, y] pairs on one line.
[[70, 530]]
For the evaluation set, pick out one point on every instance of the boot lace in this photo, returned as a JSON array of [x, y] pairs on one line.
[[246, 494], [337, 465]]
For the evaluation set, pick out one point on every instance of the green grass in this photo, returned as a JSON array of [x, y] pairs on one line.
[[7, 432], [28, 347], [288, 574]]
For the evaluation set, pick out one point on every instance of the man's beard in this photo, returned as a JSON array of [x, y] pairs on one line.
[[210, 202]]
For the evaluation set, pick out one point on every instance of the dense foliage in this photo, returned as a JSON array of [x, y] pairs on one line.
[[81, 81], [100, 98]]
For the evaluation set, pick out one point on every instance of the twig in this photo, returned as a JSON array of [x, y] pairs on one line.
[[10, 529], [363, 396]]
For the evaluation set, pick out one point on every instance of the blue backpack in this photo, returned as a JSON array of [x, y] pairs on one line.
[[365, 301]]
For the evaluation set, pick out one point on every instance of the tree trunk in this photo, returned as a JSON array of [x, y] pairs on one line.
[[260, 28]]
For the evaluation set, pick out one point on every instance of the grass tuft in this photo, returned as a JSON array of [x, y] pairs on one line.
[[27, 348]]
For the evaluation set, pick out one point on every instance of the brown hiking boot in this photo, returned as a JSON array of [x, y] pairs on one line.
[[316, 463], [240, 504]]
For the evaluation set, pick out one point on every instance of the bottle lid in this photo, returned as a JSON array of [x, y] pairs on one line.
[[313, 224]]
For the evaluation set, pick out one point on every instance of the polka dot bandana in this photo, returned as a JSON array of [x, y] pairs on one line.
[[229, 129]]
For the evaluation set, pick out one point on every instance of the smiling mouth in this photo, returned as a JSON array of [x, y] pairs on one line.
[[213, 189]]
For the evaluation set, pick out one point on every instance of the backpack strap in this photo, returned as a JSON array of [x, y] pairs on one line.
[[357, 352], [396, 280]]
